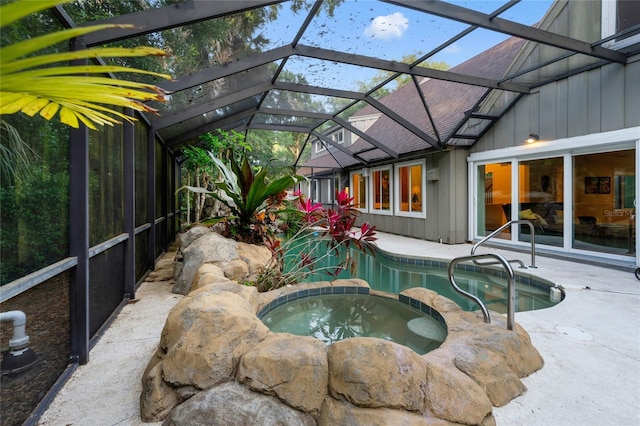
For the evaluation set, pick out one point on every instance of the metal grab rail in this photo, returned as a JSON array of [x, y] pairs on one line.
[[502, 228], [511, 288]]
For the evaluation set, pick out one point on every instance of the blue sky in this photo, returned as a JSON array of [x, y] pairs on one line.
[[373, 28]]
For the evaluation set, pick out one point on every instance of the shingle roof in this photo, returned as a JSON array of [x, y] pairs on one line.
[[447, 102]]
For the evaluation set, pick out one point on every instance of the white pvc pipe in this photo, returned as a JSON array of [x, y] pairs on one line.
[[19, 319]]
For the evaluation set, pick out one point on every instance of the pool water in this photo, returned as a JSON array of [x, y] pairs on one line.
[[332, 317], [394, 275]]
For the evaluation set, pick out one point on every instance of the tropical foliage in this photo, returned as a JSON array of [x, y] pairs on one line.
[[38, 84], [323, 245], [249, 196]]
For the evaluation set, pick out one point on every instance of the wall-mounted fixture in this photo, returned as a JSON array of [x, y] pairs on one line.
[[532, 138]]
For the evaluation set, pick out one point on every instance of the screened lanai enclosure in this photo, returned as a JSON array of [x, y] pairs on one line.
[[86, 213]]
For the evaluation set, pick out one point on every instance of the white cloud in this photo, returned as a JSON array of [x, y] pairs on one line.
[[387, 27], [454, 48]]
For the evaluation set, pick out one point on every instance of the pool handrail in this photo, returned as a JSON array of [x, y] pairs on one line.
[[511, 288], [502, 228]]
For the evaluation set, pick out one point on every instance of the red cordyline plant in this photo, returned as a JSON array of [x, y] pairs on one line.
[[322, 245]]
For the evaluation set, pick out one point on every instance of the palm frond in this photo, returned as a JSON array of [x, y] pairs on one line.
[[67, 90], [12, 12]]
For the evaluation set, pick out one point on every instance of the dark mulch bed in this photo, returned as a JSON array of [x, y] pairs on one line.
[[48, 324]]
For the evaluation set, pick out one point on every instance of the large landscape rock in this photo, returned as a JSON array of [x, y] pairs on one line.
[[454, 396], [342, 413], [233, 404], [201, 246], [377, 373], [293, 368], [206, 339]]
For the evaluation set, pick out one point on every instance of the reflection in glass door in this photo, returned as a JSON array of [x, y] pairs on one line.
[[540, 197], [494, 198], [604, 202]]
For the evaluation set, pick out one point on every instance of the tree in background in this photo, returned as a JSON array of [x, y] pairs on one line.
[[200, 171]]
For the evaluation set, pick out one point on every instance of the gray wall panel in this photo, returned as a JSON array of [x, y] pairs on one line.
[[594, 102], [562, 101], [577, 105], [548, 96], [632, 94], [612, 97]]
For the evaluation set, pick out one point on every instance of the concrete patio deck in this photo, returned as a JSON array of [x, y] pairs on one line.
[[590, 343]]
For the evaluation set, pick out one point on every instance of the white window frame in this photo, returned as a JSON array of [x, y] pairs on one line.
[[608, 26], [365, 174], [423, 188], [371, 199], [319, 146]]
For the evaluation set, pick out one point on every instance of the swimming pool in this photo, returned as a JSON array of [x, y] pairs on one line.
[[393, 274]]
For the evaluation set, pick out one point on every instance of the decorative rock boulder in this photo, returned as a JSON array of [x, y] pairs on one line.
[[237, 261], [214, 332], [342, 413], [232, 404], [201, 344], [377, 373], [293, 368], [454, 396]]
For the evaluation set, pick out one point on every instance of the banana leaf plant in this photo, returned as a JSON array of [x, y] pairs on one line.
[[246, 193], [78, 93]]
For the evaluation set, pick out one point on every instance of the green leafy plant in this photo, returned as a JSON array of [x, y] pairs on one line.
[[248, 195], [322, 245], [35, 84]]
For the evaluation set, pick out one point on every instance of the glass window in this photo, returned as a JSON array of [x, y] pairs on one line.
[[604, 202], [540, 198], [410, 186], [619, 15], [315, 196], [381, 194], [494, 195], [359, 190]]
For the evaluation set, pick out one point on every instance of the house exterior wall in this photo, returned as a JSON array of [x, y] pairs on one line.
[[600, 100], [596, 113], [445, 201]]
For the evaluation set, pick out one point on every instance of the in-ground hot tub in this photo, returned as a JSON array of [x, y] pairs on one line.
[[331, 314]]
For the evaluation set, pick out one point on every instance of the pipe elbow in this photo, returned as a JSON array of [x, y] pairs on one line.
[[19, 320]]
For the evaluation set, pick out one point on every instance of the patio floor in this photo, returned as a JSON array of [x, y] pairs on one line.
[[590, 343]]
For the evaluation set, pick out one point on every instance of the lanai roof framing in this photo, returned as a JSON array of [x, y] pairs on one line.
[[238, 109]]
